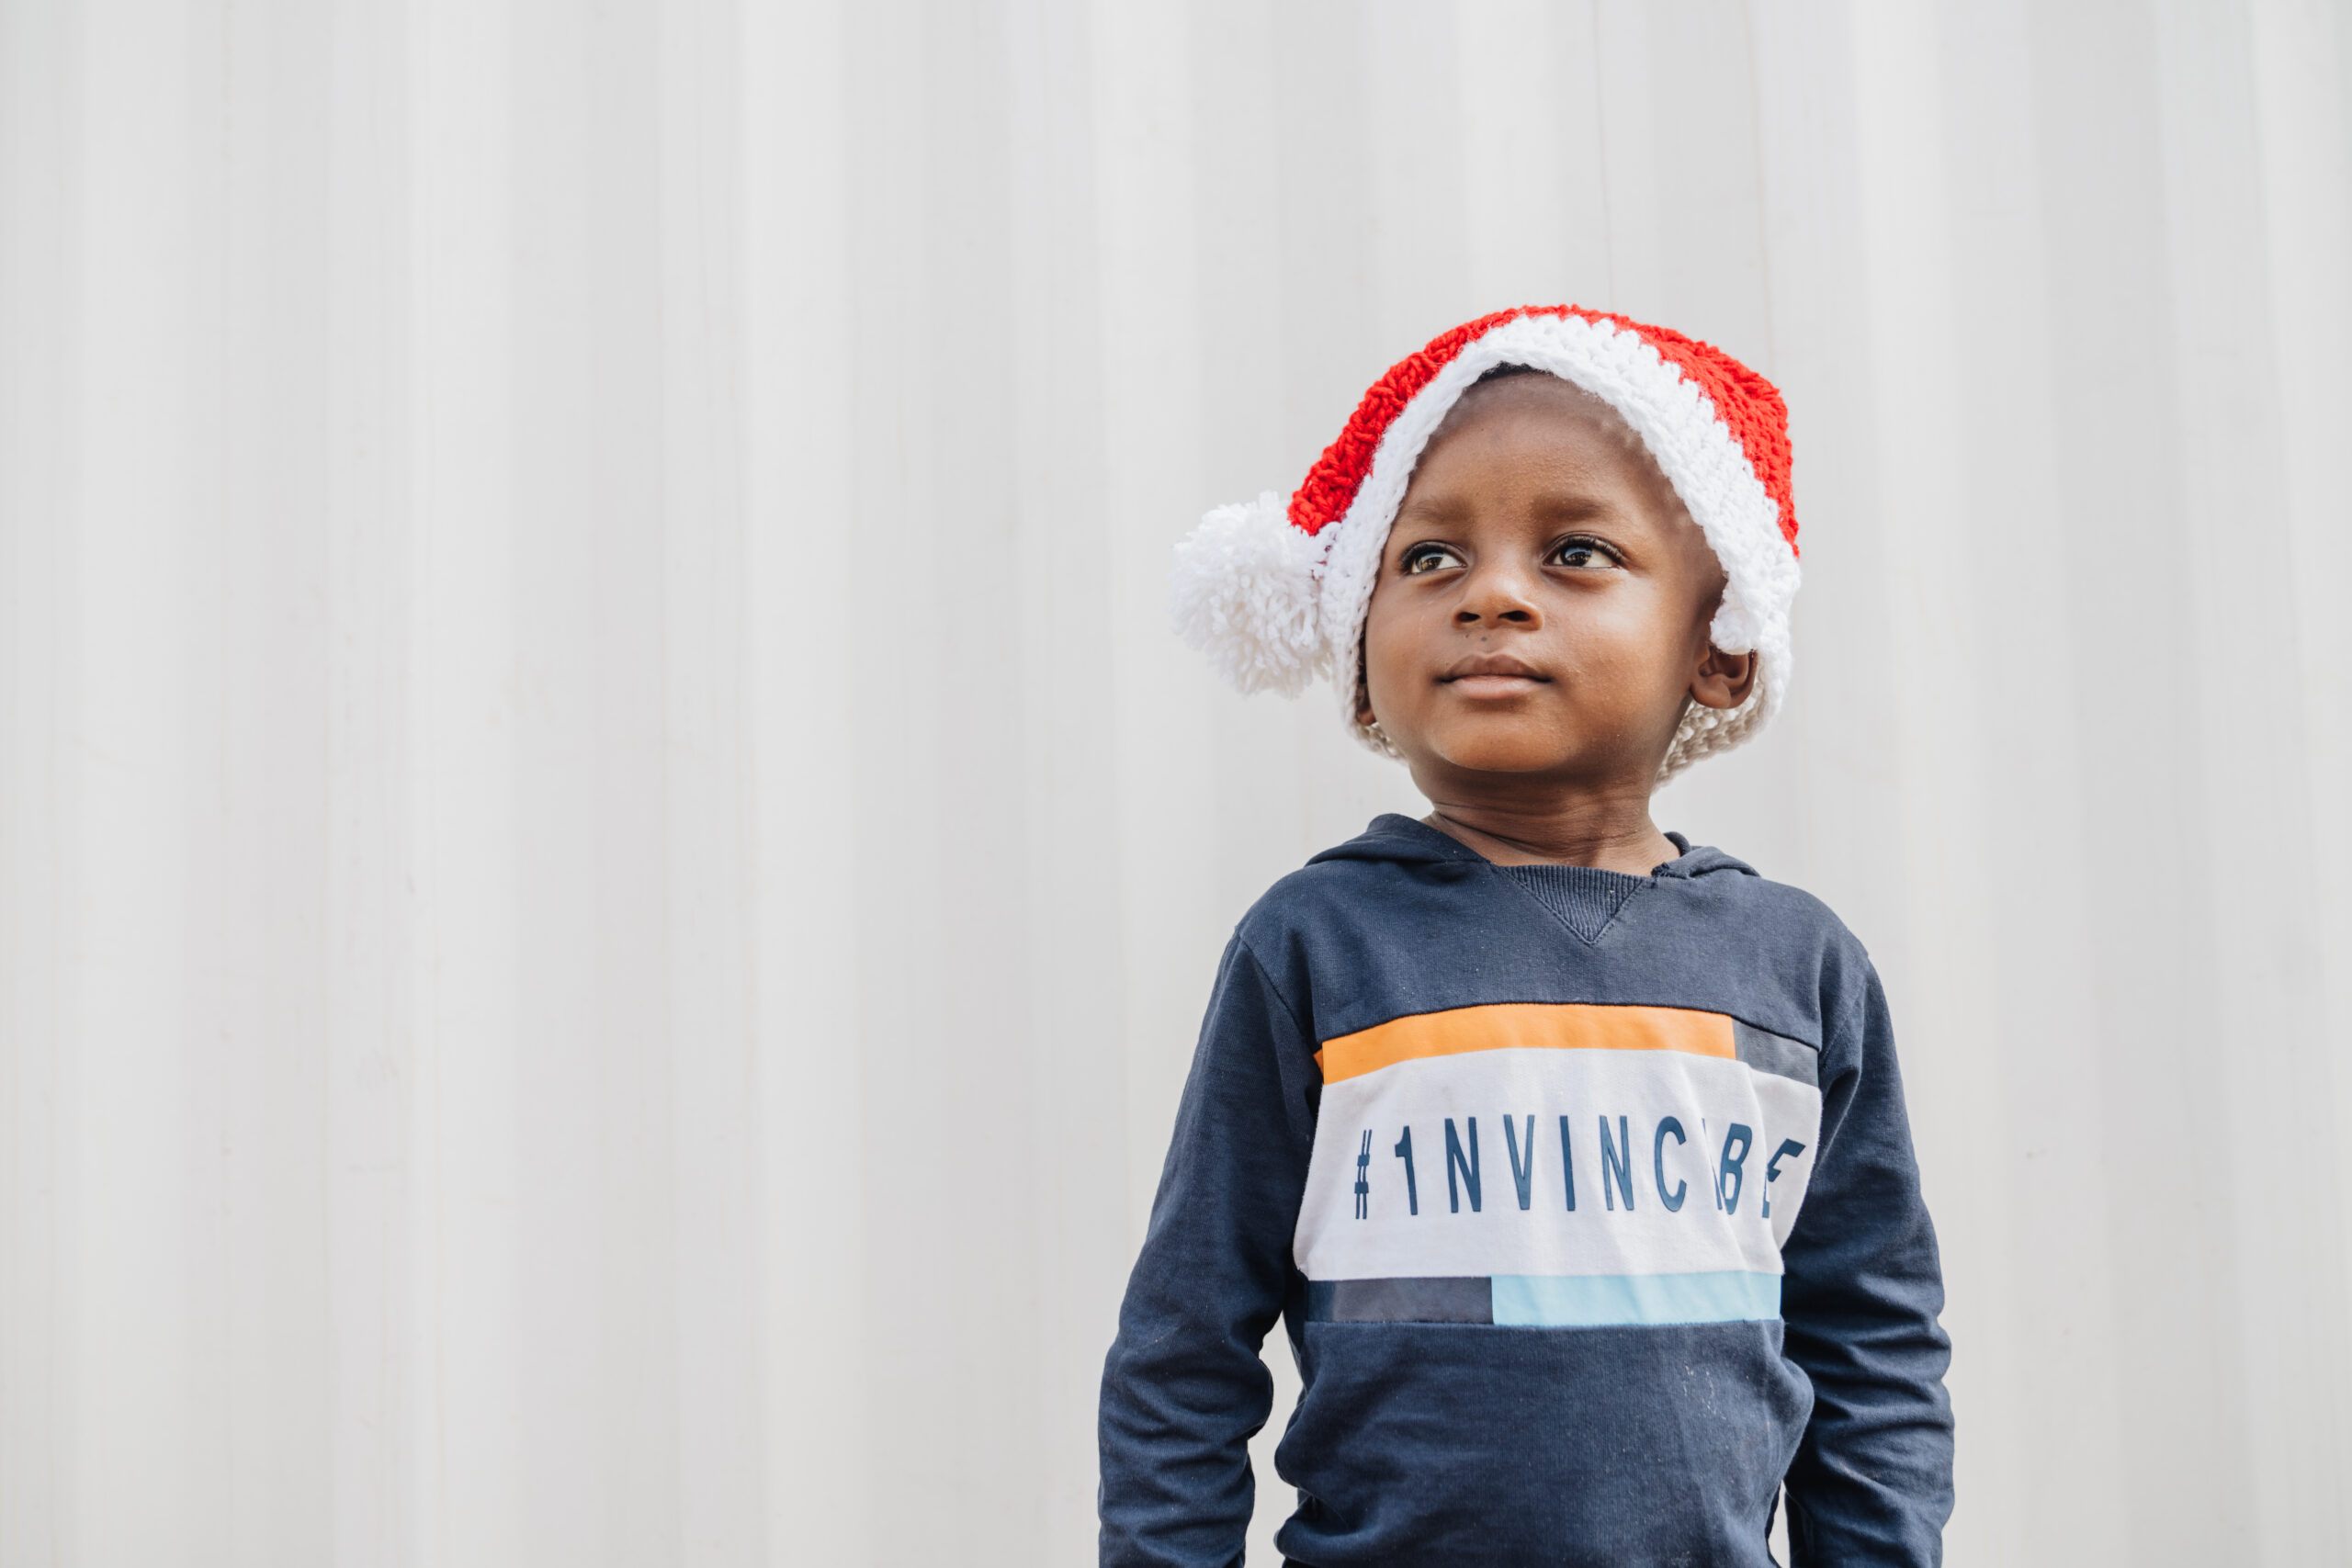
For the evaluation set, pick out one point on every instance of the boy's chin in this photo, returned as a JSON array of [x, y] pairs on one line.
[[1500, 746]]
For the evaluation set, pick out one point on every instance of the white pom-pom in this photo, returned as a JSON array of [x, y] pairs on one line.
[[1243, 593]]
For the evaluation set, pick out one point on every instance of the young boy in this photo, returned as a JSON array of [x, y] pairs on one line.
[[1572, 1157]]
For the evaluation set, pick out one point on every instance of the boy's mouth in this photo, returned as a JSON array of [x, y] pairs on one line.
[[1492, 676]]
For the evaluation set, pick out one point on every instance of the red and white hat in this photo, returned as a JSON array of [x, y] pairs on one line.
[[1275, 596]]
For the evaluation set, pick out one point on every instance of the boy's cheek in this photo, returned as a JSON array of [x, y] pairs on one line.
[[1392, 664]]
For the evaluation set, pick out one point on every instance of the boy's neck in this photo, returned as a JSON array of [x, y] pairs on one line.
[[1612, 831]]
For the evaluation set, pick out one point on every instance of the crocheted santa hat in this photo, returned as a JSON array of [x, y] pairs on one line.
[[1274, 595]]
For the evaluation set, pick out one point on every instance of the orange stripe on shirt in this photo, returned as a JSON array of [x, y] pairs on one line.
[[1515, 1026]]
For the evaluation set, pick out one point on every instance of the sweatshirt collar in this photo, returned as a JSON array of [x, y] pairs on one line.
[[1403, 841]]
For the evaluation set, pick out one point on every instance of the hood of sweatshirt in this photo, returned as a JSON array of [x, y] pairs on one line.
[[1400, 840]]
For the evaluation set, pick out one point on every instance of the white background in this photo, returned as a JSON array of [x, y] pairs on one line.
[[609, 866]]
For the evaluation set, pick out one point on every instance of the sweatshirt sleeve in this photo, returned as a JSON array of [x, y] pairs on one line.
[[1183, 1390], [1872, 1482]]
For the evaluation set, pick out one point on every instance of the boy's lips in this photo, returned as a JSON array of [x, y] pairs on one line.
[[1492, 676]]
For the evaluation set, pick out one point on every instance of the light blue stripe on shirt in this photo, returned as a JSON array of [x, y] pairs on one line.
[[1595, 1300]]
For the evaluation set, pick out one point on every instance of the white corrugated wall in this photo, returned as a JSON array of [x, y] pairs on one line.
[[608, 866]]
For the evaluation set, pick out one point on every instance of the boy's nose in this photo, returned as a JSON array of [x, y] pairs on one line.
[[1500, 595]]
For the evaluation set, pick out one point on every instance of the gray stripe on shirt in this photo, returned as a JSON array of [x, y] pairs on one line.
[[1777, 1054], [1467, 1300]]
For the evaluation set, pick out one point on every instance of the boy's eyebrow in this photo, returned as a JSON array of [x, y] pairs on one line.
[[1443, 511], [1577, 506], [1430, 514]]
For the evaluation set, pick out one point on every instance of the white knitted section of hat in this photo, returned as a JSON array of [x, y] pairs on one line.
[[1243, 593], [1696, 452]]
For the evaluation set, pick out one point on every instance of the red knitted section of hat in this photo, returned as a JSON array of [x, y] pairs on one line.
[[1749, 406]]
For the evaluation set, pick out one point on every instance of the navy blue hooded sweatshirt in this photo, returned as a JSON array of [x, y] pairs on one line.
[[1589, 1203]]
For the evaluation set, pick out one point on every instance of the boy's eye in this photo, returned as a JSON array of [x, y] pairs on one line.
[[1427, 557], [1583, 554]]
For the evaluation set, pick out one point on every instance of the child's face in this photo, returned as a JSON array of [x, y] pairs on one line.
[[1544, 600]]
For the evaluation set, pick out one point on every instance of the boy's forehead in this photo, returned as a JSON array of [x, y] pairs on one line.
[[1521, 388], [1518, 392]]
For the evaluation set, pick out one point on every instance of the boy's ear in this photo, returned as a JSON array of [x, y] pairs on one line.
[[1365, 716], [1724, 680]]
